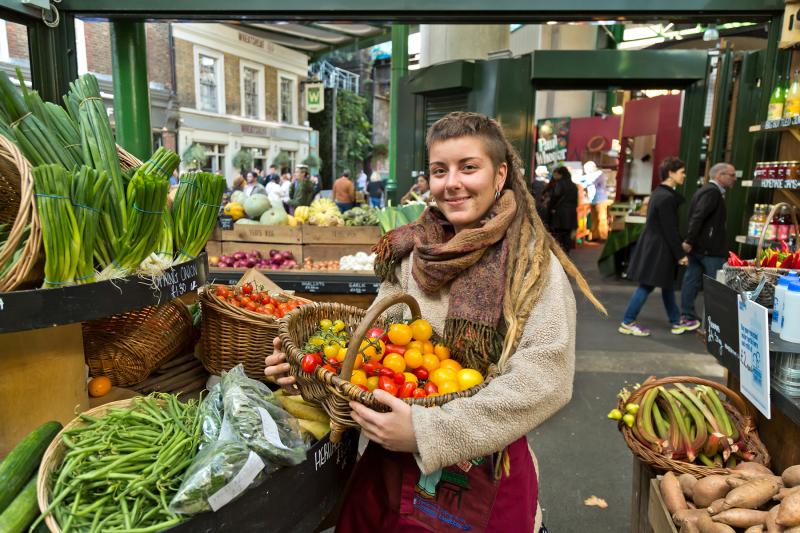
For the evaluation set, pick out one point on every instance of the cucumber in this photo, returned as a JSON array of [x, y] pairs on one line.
[[22, 511], [23, 461]]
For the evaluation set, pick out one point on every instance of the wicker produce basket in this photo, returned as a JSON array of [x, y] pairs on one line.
[[747, 278], [18, 208], [740, 413], [129, 346], [334, 391]]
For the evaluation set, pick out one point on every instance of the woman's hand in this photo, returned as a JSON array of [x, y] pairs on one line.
[[393, 430], [278, 369], [683, 261]]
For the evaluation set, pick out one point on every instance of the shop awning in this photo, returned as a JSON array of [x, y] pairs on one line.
[[318, 38]]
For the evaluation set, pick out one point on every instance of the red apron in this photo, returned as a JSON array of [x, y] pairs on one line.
[[389, 494]]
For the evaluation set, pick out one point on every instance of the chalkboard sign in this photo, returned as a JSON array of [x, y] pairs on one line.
[[225, 222], [721, 321]]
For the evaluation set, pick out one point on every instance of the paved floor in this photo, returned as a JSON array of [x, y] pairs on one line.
[[580, 452]]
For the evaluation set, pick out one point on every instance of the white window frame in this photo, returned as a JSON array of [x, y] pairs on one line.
[[293, 79], [220, 57], [262, 115]]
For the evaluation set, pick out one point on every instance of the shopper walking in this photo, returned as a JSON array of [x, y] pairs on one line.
[[344, 193], [273, 189], [706, 239], [492, 282], [375, 189], [303, 189], [362, 181], [563, 207], [655, 260], [596, 182]]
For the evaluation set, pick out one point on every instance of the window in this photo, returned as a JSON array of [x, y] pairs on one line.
[[260, 159], [215, 158], [209, 88], [287, 99], [252, 79]]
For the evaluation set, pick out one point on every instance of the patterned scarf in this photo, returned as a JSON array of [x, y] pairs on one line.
[[474, 260]]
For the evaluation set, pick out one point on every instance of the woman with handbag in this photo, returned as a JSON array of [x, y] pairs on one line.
[[493, 283]]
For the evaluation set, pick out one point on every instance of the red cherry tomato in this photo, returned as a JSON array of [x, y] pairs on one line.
[[419, 393], [387, 384], [386, 372], [310, 362], [247, 289], [371, 368], [421, 373], [363, 387], [329, 367], [399, 379], [375, 333], [431, 388], [406, 390], [394, 348]]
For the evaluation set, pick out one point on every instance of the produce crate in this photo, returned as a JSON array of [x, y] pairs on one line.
[[367, 235], [333, 252], [230, 247], [216, 235], [259, 233], [214, 248], [657, 513]]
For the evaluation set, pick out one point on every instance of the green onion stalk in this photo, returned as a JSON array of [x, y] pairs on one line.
[[60, 232], [89, 189], [195, 211], [163, 163]]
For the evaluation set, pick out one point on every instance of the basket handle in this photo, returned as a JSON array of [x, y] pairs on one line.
[[372, 315], [767, 222]]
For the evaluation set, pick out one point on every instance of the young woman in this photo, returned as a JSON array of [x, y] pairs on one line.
[[563, 207], [420, 191], [492, 283], [658, 253]]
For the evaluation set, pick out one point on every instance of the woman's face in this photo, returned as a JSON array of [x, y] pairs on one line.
[[422, 184], [463, 180], [678, 176]]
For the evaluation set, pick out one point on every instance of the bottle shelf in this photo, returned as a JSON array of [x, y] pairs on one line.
[[792, 125], [771, 184]]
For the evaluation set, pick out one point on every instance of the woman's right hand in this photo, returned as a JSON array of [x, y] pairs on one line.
[[277, 369], [683, 261]]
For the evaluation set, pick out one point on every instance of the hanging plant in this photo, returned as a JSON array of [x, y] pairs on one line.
[[283, 160], [243, 160], [312, 161], [194, 157]]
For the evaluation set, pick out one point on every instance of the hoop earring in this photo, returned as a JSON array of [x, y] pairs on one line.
[[496, 195]]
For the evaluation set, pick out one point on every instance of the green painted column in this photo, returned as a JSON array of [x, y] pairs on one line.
[[131, 93], [399, 69], [54, 61]]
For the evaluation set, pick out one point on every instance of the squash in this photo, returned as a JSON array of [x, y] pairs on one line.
[[23, 461], [234, 209], [275, 216], [238, 197], [255, 205], [22, 511]]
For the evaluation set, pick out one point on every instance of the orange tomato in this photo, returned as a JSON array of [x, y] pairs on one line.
[[441, 375], [395, 362], [447, 387], [411, 378], [413, 358], [372, 349], [451, 364], [441, 351], [99, 386], [427, 347], [430, 362], [421, 330], [468, 378], [359, 377], [415, 345], [400, 334], [372, 383]]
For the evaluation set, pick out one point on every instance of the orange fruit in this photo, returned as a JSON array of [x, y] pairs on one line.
[[468, 378], [447, 387], [399, 334], [413, 358], [395, 362], [427, 347], [441, 351], [451, 364], [441, 375], [430, 362], [372, 383], [359, 377], [99, 386], [415, 345], [411, 377], [421, 330]]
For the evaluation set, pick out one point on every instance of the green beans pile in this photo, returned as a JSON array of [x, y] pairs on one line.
[[195, 210], [121, 471]]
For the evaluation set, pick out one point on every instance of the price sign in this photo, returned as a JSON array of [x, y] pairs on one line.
[[754, 354], [225, 222]]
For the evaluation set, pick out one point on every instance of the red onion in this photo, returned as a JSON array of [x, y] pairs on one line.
[[250, 263], [275, 267], [255, 253], [273, 253], [291, 263], [287, 256], [239, 256]]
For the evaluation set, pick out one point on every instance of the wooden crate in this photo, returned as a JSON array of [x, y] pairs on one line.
[[657, 513], [230, 247], [214, 248], [368, 235], [332, 252], [259, 233]]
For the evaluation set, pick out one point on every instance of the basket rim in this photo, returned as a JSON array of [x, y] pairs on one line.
[[238, 310]]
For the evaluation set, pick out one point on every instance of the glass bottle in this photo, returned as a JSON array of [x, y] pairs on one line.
[[752, 222], [791, 107], [777, 101]]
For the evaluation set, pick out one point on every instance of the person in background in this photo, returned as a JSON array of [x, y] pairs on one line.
[[272, 175], [286, 186], [303, 193], [252, 186], [273, 190], [362, 181], [420, 191], [174, 179], [238, 183], [316, 183], [375, 190], [597, 178], [658, 252], [562, 207], [706, 239], [538, 191], [344, 193], [262, 180]]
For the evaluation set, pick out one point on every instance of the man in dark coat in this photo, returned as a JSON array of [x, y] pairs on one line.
[[706, 239], [658, 252], [562, 206]]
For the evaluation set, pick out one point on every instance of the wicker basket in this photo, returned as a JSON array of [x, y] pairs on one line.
[[334, 391], [741, 415], [18, 208], [747, 278], [231, 335], [129, 346]]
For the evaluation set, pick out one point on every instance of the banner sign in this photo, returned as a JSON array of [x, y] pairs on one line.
[[551, 141], [754, 354], [315, 97]]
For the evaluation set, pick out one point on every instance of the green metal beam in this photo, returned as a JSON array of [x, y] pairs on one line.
[[16, 11], [131, 91], [722, 100], [54, 61], [399, 69], [452, 76], [358, 43]]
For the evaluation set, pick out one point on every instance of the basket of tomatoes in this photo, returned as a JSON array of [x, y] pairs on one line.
[[239, 325], [335, 362]]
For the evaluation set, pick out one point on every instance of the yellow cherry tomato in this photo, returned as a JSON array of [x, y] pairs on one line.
[[441, 375], [427, 347], [413, 358], [430, 362], [316, 340], [441, 351], [395, 362], [421, 330], [451, 364], [359, 377], [411, 377], [340, 355], [325, 323], [415, 345], [372, 349], [399, 334], [338, 326], [359, 361], [372, 383], [468, 378], [447, 387], [331, 350]]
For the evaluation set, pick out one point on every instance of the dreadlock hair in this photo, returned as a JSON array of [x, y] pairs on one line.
[[526, 273]]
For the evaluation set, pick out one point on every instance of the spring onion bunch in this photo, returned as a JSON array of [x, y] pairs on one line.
[[60, 231], [163, 163], [195, 210], [89, 189]]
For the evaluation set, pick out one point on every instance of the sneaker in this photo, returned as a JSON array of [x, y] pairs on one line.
[[686, 324], [633, 329]]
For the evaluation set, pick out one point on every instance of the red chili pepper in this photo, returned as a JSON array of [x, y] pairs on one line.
[[773, 261], [733, 260], [784, 247]]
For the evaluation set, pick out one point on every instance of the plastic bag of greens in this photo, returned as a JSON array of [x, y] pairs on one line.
[[250, 409], [211, 411]]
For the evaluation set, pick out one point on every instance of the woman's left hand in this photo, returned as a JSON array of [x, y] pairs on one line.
[[393, 430]]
